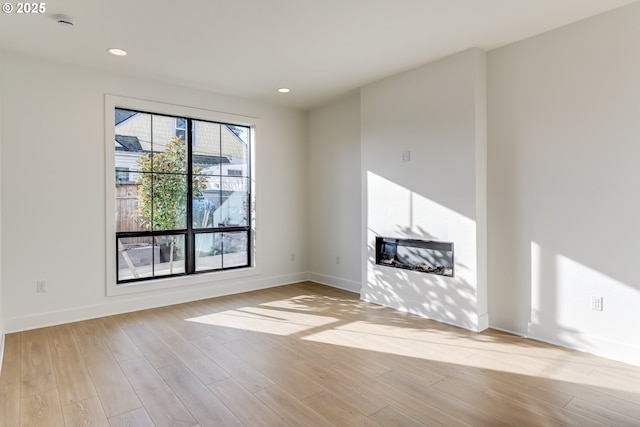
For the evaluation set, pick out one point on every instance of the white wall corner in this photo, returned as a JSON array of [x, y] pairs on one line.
[[336, 282], [481, 188], [334, 223], [483, 322]]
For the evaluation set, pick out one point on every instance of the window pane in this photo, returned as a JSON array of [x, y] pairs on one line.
[[171, 255], [127, 216], [241, 132], [148, 141], [146, 257], [223, 202], [166, 195], [133, 138], [135, 257], [234, 249], [221, 250], [208, 251], [161, 201], [207, 151], [234, 184], [234, 143], [234, 207], [169, 153], [205, 203]]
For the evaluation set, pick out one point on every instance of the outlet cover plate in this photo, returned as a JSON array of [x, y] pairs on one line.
[[596, 303]]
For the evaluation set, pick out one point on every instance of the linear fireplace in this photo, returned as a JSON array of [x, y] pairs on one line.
[[426, 256]]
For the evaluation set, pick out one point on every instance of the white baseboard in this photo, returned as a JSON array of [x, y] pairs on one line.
[[146, 301], [508, 331], [483, 322], [1, 351], [598, 346], [336, 282], [471, 323]]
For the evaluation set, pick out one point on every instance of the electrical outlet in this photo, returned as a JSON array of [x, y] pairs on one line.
[[406, 156], [293, 256], [41, 286], [338, 259], [596, 303]]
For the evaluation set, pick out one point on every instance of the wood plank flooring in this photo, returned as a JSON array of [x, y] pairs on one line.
[[301, 355]]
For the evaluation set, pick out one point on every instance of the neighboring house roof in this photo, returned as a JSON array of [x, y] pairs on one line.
[[122, 115], [201, 159], [128, 143], [132, 144], [209, 138]]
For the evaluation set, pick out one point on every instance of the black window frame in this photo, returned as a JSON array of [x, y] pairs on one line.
[[190, 232]]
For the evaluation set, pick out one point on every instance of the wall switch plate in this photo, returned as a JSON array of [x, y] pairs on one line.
[[41, 286], [596, 303]]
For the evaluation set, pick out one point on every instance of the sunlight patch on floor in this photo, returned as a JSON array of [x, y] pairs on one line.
[[332, 322], [265, 321]]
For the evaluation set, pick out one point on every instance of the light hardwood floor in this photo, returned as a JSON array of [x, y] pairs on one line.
[[301, 355]]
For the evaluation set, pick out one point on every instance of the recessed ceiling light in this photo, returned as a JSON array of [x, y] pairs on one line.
[[117, 52], [284, 90]]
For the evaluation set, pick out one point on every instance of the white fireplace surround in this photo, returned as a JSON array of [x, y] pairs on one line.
[[439, 194]]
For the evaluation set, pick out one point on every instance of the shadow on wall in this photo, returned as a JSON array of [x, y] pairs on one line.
[[447, 299], [398, 210], [561, 306], [415, 232]]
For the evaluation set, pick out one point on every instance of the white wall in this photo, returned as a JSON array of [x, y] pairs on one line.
[[437, 113], [54, 224], [335, 243], [564, 132], [1, 297]]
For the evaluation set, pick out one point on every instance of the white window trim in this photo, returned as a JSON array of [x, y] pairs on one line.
[[213, 278]]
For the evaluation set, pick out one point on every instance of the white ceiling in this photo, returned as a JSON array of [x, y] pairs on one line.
[[249, 48]]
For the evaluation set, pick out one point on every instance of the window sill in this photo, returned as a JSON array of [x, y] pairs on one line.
[[178, 282]]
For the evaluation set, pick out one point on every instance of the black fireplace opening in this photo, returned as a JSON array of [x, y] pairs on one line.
[[426, 256]]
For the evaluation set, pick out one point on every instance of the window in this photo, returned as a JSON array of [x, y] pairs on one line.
[[122, 174], [183, 214], [181, 128]]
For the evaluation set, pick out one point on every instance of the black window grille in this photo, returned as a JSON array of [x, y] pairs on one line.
[[184, 214]]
